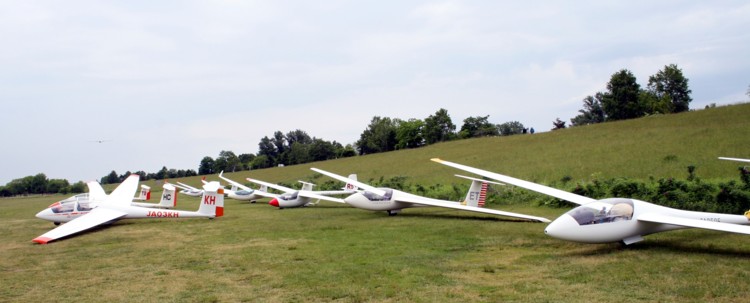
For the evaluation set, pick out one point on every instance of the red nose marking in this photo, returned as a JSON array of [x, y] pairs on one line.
[[274, 202]]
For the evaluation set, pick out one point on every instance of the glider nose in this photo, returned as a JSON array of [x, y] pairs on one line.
[[564, 227], [45, 214], [274, 202]]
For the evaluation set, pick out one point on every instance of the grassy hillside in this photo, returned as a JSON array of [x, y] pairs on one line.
[[658, 146]]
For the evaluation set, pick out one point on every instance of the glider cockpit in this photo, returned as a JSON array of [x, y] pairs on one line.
[[603, 211], [375, 197], [75, 203]]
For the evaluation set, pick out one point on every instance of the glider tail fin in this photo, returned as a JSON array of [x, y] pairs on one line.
[[145, 194], [747, 214], [169, 196], [212, 201], [477, 194], [306, 185], [350, 186]]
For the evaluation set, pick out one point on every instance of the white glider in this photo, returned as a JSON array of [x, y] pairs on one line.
[[297, 198], [393, 201], [189, 190], [117, 205], [244, 193], [617, 219], [96, 195]]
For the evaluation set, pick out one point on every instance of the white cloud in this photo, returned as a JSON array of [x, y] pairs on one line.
[[173, 82]]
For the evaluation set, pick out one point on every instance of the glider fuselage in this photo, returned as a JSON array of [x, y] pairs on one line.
[[616, 219]]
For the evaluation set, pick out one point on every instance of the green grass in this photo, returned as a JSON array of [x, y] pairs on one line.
[[336, 253], [256, 253]]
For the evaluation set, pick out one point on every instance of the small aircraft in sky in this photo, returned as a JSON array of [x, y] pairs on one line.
[[244, 193], [297, 198], [393, 201], [616, 219], [117, 205], [735, 159]]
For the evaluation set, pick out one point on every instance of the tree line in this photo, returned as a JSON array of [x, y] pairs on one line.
[[667, 92], [385, 134], [163, 173], [40, 184]]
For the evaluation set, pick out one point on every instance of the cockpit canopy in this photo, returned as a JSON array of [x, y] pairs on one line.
[[75, 203], [603, 211], [374, 197], [289, 196]]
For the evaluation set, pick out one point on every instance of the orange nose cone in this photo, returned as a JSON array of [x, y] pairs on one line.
[[274, 202]]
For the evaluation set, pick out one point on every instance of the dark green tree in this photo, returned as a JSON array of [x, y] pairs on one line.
[[57, 186], [510, 128], [477, 127], [279, 141], [670, 85], [267, 148], [298, 153], [38, 184], [227, 161], [207, 166], [246, 160], [438, 127], [162, 173], [592, 111], [380, 136], [621, 101], [558, 124], [297, 136], [261, 161], [78, 187], [347, 151], [321, 150], [5, 192], [112, 178], [409, 134]]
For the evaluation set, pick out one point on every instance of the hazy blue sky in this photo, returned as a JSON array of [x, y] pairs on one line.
[[169, 82]]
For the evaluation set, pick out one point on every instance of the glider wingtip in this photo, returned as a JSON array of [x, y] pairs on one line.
[[437, 160], [42, 240]]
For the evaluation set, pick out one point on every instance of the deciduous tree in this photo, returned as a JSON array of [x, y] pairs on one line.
[[592, 111], [621, 101], [670, 85], [439, 127]]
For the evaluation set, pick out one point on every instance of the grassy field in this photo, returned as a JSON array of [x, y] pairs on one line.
[[333, 253]]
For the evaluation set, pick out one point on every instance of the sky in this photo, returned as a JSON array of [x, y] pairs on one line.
[[166, 83]]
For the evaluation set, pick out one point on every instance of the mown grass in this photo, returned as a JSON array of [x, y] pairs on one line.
[[333, 253], [325, 253]]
